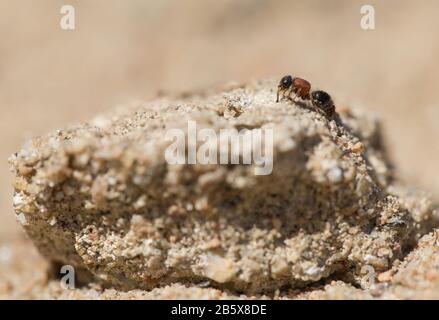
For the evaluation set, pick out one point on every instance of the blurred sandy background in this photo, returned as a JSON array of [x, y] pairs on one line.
[[127, 50]]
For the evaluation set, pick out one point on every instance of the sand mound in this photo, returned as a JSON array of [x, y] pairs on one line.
[[101, 196]]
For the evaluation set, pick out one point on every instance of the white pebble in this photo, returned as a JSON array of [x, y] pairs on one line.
[[335, 175], [21, 218]]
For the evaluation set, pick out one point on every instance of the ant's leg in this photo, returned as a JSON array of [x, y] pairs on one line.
[[295, 96], [313, 106], [291, 98], [281, 94], [299, 93]]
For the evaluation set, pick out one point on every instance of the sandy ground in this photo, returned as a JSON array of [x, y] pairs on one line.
[[124, 51]]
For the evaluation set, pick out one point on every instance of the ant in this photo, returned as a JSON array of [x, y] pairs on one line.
[[288, 85], [301, 88]]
